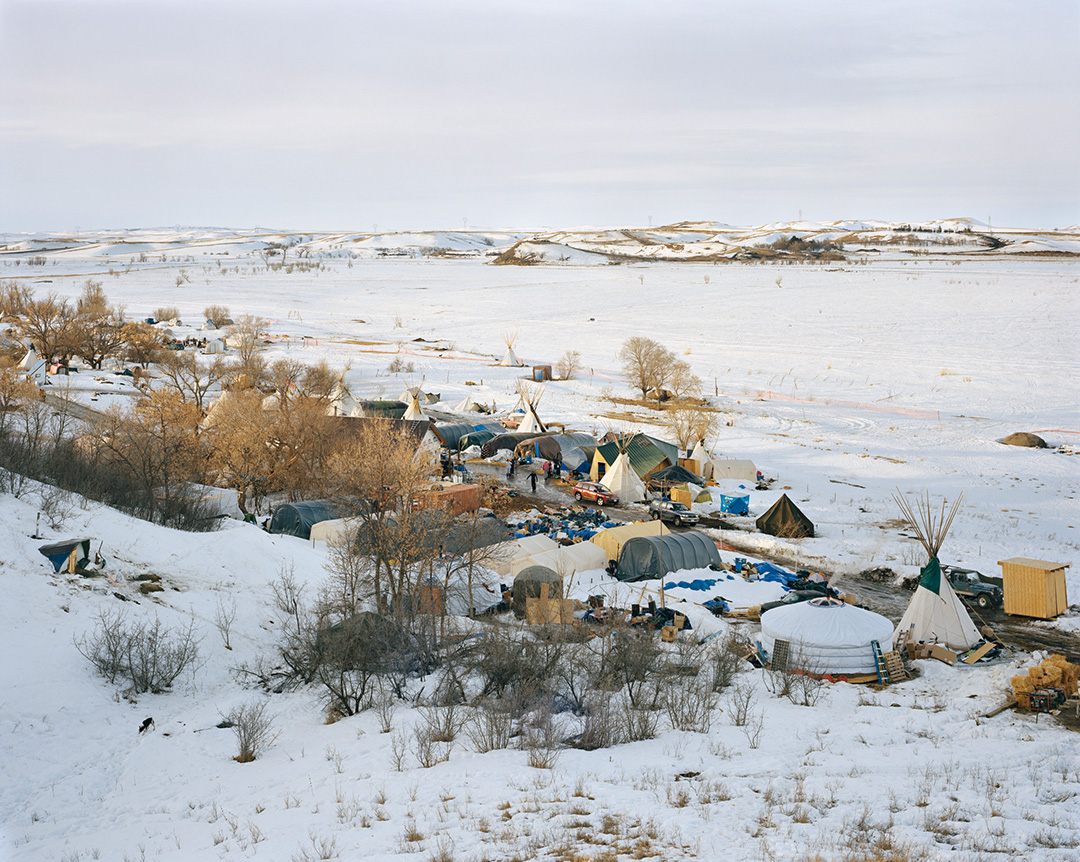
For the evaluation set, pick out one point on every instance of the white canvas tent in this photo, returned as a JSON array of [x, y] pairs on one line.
[[520, 549], [214, 345], [565, 559], [30, 360], [510, 360], [531, 424], [826, 636], [623, 481], [745, 471], [466, 405], [334, 532], [701, 455]]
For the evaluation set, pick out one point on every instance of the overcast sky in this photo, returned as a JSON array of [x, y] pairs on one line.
[[423, 114]]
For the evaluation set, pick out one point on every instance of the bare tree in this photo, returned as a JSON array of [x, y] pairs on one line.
[[646, 364], [191, 379], [682, 381], [49, 323], [569, 364], [216, 315], [246, 337], [690, 424], [142, 342], [239, 432]]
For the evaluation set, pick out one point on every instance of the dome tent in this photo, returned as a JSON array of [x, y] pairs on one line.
[[826, 636]]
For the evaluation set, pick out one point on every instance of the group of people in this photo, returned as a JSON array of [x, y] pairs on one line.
[[552, 469]]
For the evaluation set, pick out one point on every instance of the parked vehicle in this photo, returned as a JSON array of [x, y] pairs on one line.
[[969, 585], [594, 492], [792, 598], [672, 513]]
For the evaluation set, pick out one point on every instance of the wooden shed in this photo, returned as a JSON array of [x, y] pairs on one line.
[[540, 373], [1034, 588], [452, 499]]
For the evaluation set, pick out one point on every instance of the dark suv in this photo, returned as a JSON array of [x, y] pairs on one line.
[[595, 492], [673, 513], [969, 584]]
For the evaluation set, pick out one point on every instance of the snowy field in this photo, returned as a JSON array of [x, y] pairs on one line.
[[842, 382]]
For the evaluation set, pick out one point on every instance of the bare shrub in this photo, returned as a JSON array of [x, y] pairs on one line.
[[631, 659], [725, 662], [490, 728], [443, 724], [740, 699], [254, 730], [400, 366], [753, 727], [216, 315], [148, 655], [384, 709], [166, 312], [223, 619], [639, 723], [690, 703], [601, 727], [428, 750], [541, 739]]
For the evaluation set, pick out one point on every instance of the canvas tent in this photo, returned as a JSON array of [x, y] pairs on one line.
[[648, 557], [612, 539], [67, 554], [551, 446], [420, 395], [297, 519], [935, 614], [623, 481], [414, 413], [785, 520], [341, 401], [566, 559], [517, 550], [744, 471], [825, 636], [467, 405], [700, 454]]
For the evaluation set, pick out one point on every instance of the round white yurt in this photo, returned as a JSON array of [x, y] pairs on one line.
[[826, 636]]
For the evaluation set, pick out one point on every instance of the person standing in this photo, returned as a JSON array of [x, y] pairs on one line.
[[532, 481]]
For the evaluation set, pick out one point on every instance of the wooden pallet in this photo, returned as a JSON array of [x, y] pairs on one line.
[[895, 666]]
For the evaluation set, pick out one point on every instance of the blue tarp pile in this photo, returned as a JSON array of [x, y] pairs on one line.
[[735, 505], [769, 572], [585, 523]]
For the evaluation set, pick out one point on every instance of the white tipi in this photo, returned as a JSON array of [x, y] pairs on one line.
[[510, 360], [466, 405], [935, 613], [341, 402], [414, 413], [531, 424], [622, 479], [700, 455]]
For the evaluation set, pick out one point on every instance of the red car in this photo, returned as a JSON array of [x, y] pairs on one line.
[[595, 492]]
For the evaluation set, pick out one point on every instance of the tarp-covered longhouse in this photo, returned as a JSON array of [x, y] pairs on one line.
[[650, 557], [297, 519], [551, 446]]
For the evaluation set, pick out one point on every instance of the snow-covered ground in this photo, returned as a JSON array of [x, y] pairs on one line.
[[842, 382]]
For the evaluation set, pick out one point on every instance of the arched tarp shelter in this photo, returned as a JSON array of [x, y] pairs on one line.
[[551, 446], [377, 409], [504, 441], [297, 519], [826, 636], [475, 438], [786, 520], [527, 585], [648, 557], [451, 435]]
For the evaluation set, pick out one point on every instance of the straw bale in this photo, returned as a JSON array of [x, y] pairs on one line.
[[1022, 683]]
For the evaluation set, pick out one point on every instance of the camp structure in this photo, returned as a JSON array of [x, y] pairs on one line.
[[512, 553], [646, 454], [297, 519], [510, 360], [214, 345], [612, 539], [567, 560], [67, 555], [669, 477], [414, 413], [341, 401], [531, 395], [646, 558], [623, 481], [742, 470], [824, 636], [36, 368], [467, 405], [935, 614], [452, 434], [527, 585], [1034, 588], [510, 441], [215, 502], [420, 395], [785, 520], [367, 409], [700, 454], [551, 446]]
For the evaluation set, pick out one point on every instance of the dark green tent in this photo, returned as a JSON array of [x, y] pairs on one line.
[[785, 520], [647, 557]]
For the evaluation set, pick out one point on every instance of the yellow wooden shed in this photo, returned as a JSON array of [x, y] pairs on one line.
[[1034, 588]]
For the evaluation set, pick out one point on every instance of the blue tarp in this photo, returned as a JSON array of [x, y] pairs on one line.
[[769, 572], [735, 505]]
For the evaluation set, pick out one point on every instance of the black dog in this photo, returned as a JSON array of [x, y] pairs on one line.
[[147, 724]]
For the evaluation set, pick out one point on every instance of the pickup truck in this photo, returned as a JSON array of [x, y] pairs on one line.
[[969, 585], [673, 513]]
